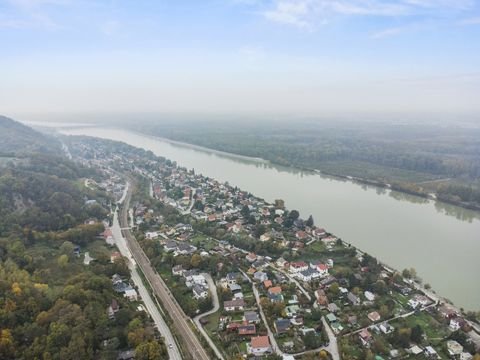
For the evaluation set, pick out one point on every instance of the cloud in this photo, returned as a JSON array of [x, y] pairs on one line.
[[388, 32], [30, 14], [309, 13]]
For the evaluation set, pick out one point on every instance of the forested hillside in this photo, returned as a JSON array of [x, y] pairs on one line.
[[52, 304], [20, 139]]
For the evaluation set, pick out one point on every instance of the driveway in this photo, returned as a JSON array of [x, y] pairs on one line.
[[216, 306]]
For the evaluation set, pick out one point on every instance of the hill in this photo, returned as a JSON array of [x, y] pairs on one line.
[[19, 139]]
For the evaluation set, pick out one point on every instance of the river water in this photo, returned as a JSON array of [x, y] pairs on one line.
[[441, 241]]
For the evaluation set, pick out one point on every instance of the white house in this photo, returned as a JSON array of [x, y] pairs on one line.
[[369, 295], [308, 275], [151, 235], [199, 280], [131, 294]]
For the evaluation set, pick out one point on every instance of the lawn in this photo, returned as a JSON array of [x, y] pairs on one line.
[[433, 329]]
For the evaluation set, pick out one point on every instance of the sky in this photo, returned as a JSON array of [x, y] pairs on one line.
[[239, 56]]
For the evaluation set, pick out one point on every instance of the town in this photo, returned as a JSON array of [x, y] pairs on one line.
[[257, 280]]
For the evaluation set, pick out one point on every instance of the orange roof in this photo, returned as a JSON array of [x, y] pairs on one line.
[[260, 342], [275, 290], [267, 283], [251, 271]]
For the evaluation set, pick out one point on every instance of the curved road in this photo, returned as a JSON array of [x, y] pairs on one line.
[[216, 306]]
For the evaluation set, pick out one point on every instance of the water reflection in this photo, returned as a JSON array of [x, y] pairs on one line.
[[458, 212]]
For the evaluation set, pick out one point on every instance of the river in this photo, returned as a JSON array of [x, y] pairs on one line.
[[441, 241]]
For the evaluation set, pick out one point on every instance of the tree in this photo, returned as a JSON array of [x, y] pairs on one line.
[[196, 260], [7, 350], [62, 261], [294, 214], [416, 334], [309, 222], [245, 211], [149, 351], [67, 248]]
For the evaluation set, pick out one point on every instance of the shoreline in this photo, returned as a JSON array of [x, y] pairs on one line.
[[354, 179]]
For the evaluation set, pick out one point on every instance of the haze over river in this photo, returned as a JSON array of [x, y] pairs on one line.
[[441, 241]]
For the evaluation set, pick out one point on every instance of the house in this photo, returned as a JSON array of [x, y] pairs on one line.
[[115, 255], [267, 284], [281, 262], [282, 325], [151, 235], [251, 257], [331, 318], [235, 288], [386, 328], [413, 303], [251, 317], [308, 275], [275, 290], [113, 309], [131, 294], [415, 350], [301, 235], [322, 269], [170, 246], [260, 276], [276, 298], [199, 292], [430, 352], [178, 270], [365, 337], [457, 323], [259, 345], [332, 307], [259, 263], [454, 348], [354, 299], [234, 305], [374, 316], [292, 310], [232, 278], [369, 296], [199, 280], [296, 267], [265, 237], [247, 330], [319, 232], [185, 249], [126, 355]]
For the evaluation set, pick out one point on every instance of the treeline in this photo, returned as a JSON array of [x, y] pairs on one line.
[[404, 154]]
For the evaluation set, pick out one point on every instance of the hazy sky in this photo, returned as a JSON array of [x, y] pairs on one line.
[[300, 56]]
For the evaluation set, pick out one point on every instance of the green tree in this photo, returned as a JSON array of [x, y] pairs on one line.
[[150, 350], [62, 261]]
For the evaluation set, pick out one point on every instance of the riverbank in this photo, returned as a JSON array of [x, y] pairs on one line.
[[393, 185], [400, 229]]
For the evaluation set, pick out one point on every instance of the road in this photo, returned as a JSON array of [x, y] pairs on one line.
[[192, 202], [216, 306], [295, 281], [181, 322], [271, 336], [120, 242]]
